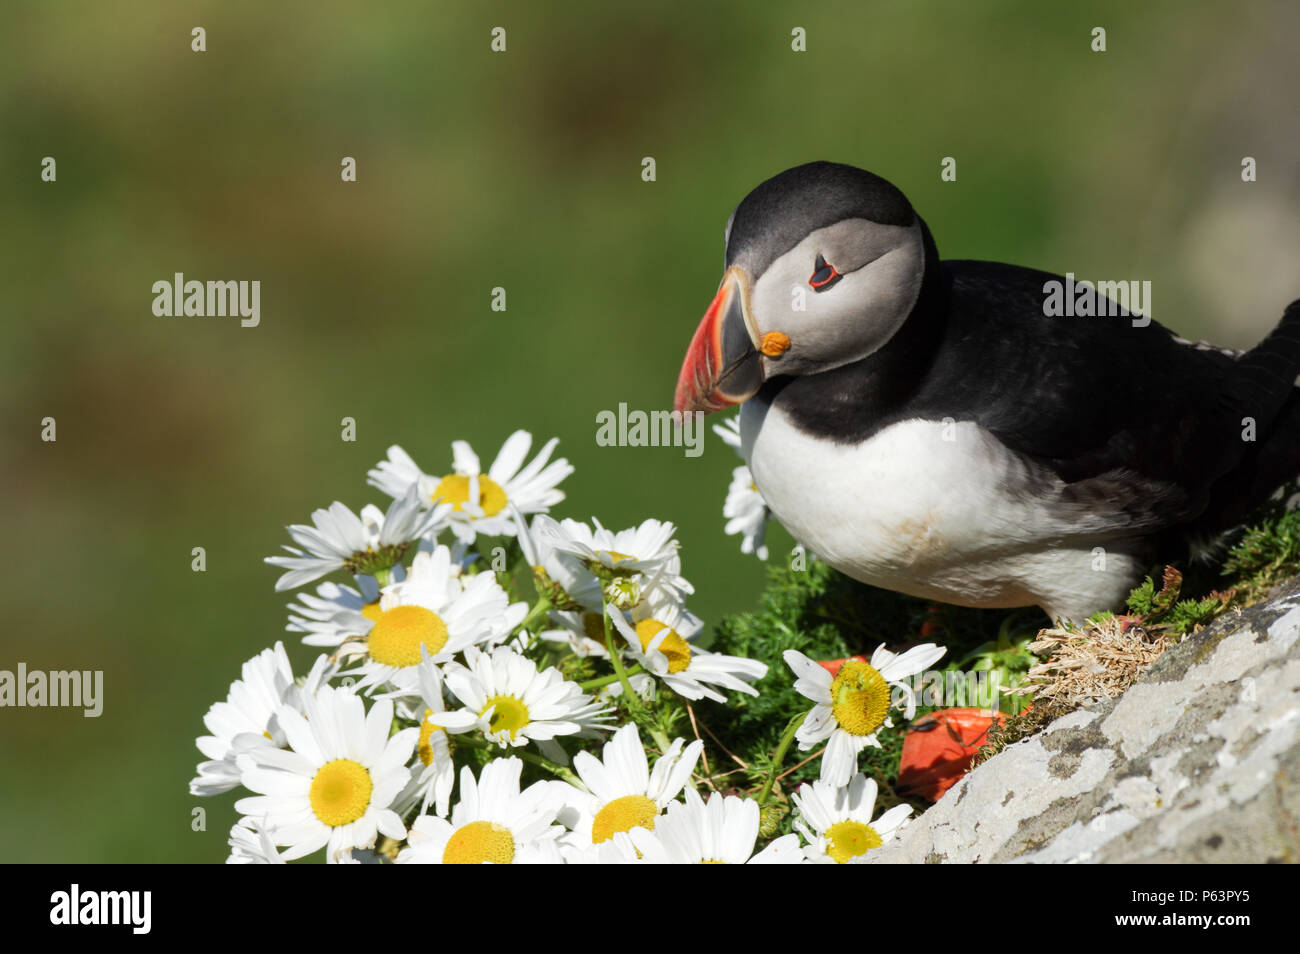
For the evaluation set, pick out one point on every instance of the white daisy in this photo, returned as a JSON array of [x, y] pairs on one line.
[[643, 684], [854, 704], [435, 775], [582, 636], [581, 631], [479, 500], [333, 787], [669, 612], [492, 822], [721, 831], [247, 719], [370, 543], [729, 431], [746, 511], [328, 616], [631, 563], [624, 793], [780, 851], [316, 614], [251, 845], [689, 671], [561, 575], [837, 824], [514, 703], [435, 607], [618, 850]]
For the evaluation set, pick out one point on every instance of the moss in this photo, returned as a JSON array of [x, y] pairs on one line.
[[1267, 552]]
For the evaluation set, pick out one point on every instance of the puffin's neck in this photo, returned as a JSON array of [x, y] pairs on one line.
[[850, 402]]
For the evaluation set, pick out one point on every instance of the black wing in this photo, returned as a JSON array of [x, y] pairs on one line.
[[1139, 425]]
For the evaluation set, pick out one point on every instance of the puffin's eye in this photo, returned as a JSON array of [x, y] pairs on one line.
[[823, 276]]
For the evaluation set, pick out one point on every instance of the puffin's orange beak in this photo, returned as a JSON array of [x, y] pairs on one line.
[[722, 365]]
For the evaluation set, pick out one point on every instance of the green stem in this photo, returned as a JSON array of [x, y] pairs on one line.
[[633, 702], [606, 680], [537, 612], [555, 768], [661, 738], [382, 577], [779, 756]]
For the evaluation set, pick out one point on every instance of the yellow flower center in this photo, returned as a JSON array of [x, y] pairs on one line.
[[340, 792], [372, 612], [673, 646], [510, 714], [454, 489], [848, 839], [615, 556], [396, 637], [859, 698], [710, 861], [424, 747], [478, 842], [623, 814]]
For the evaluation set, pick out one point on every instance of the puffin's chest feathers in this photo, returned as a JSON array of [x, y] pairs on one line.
[[929, 507]]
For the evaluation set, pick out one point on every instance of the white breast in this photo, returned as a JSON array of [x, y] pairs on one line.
[[938, 510]]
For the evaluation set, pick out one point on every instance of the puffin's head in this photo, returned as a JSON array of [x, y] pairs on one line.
[[824, 263]]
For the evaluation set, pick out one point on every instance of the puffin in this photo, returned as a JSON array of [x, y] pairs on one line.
[[931, 427]]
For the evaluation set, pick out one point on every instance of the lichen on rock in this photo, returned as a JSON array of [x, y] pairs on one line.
[[1197, 761]]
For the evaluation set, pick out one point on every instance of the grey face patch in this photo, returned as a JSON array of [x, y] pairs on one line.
[[782, 211], [851, 244], [882, 268]]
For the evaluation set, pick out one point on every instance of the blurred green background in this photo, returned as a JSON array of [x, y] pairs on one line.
[[519, 169]]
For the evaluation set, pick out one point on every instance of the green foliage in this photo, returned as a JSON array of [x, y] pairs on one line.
[[826, 616], [1162, 610], [577, 668], [790, 615], [1187, 615], [1140, 601], [1006, 656], [1146, 602], [1267, 553]]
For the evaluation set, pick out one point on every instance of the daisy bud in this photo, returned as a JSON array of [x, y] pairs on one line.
[[375, 560], [770, 817], [623, 592], [553, 592]]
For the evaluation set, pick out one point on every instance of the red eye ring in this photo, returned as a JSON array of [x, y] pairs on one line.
[[823, 276]]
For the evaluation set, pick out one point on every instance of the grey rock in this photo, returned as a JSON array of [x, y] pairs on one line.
[[1199, 761]]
